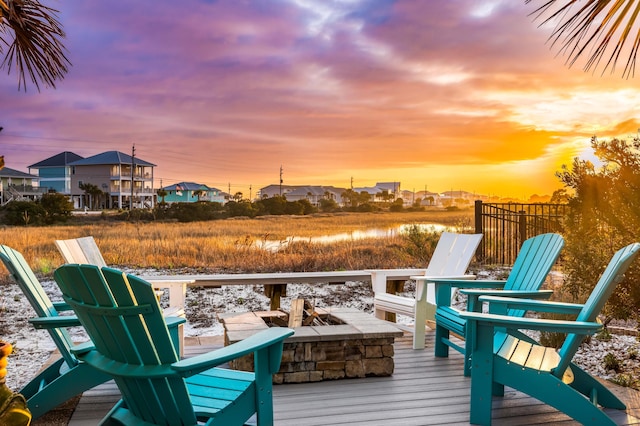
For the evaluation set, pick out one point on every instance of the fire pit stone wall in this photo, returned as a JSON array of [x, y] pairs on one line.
[[361, 346]]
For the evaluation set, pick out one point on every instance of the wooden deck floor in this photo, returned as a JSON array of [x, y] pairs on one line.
[[423, 390]]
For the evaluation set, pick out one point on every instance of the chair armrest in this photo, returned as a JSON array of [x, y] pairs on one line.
[[531, 294], [501, 304], [259, 341], [379, 277], [473, 295], [458, 282], [55, 322], [173, 323], [578, 327], [423, 280], [454, 279], [62, 306], [82, 348], [444, 287], [111, 367], [397, 272]]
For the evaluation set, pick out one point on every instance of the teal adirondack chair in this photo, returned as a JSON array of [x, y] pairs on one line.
[[503, 356], [67, 376], [533, 263], [121, 314]]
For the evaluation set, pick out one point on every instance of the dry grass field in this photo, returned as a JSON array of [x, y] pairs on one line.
[[230, 245]]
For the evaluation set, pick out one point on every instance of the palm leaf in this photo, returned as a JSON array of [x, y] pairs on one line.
[[598, 28], [36, 48]]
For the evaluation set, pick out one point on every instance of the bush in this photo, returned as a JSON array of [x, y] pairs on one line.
[[611, 362], [397, 205], [603, 216], [191, 212], [57, 208], [22, 213], [420, 244], [240, 208], [328, 205], [50, 209]]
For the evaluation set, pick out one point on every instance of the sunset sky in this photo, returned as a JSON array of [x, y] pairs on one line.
[[435, 94]]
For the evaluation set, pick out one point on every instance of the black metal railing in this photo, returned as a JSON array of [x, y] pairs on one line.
[[505, 226]]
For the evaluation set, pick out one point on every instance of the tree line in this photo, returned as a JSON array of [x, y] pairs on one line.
[[55, 208]]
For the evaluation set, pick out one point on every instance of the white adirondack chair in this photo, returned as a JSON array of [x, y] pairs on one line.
[[451, 258]]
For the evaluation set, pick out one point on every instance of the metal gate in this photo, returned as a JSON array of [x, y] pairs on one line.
[[505, 226]]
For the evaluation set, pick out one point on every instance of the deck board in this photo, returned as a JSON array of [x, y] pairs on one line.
[[423, 390]]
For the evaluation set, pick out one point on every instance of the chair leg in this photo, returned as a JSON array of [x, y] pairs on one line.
[[264, 388], [482, 384], [468, 350], [550, 390], [441, 349], [419, 327], [69, 384], [586, 384], [48, 375]]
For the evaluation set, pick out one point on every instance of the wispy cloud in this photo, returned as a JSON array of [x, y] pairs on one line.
[[438, 93]]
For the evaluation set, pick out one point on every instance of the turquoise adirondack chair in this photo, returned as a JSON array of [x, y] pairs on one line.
[[503, 356], [67, 376], [122, 316], [533, 263]]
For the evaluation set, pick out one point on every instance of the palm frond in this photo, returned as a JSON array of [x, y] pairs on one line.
[[36, 48], [598, 28]]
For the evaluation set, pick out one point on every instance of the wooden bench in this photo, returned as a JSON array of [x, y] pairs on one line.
[[275, 283]]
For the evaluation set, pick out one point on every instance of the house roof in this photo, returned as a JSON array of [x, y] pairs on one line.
[[12, 173], [303, 189], [62, 159], [389, 186], [314, 190], [277, 187], [368, 189], [110, 157], [187, 186]]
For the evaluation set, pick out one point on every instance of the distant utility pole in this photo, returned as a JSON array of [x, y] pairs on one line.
[[281, 180], [249, 192], [351, 182], [1, 156], [133, 167]]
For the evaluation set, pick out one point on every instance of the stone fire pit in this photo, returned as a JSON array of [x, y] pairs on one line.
[[360, 345]]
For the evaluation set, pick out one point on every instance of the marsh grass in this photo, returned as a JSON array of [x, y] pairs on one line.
[[230, 245]]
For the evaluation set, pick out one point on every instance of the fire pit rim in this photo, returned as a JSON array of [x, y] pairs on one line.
[[357, 325]]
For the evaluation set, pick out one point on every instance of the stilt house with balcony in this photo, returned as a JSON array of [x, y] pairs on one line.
[[125, 181], [54, 173], [18, 186]]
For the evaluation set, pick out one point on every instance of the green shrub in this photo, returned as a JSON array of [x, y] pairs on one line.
[[611, 362], [420, 243], [603, 216], [626, 380]]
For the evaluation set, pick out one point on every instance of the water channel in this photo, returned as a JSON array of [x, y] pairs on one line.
[[274, 245]]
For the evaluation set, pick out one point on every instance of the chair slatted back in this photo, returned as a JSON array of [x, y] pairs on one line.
[[451, 258], [605, 287], [453, 254], [38, 299], [534, 262], [121, 314], [81, 250]]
